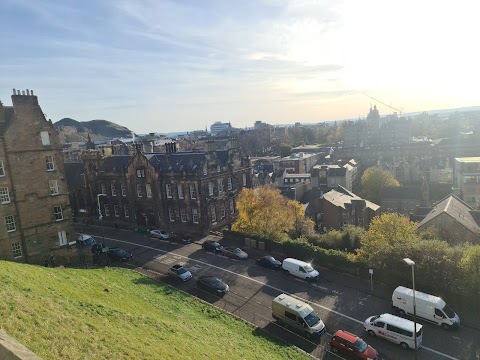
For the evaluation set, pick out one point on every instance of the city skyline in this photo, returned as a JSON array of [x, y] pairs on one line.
[[170, 66]]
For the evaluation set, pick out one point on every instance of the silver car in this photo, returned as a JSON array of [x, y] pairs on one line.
[[178, 271], [161, 234]]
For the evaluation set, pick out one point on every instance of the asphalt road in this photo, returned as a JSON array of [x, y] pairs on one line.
[[252, 289]]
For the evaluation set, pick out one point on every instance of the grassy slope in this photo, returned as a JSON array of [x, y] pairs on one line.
[[67, 314]]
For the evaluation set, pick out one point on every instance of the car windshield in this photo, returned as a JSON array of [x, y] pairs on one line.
[[308, 268], [419, 333], [181, 270], [449, 312], [121, 252], [360, 345], [215, 282], [312, 319], [89, 241], [237, 251]]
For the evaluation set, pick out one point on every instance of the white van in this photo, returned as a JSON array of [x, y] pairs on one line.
[[300, 269], [395, 329], [428, 307], [297, 314]]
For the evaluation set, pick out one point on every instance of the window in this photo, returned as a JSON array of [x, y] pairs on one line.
[[125, 211], [244, 179], [10, 223], [290, 315], [399, 330], [195, 216], [114, 190], [107, 210], [62, 238], [213, 213], [124, 190], [53, 187], [148, 188], [104, 189], [210, 188], [49, 162], [222, 211], [183, 215], [439, 313], [2, 170], [379, 324], [232, 207], [4, 195], [58, 213], [17, 250], [229, 183], [45, 137], [139, 190], [180, 191], [193, 193], [140, 173], [116, 210], [168, 190], [220, 185], [219, 168], [171, 214]]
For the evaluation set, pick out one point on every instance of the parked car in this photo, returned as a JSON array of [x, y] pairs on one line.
[[116, 253], [179, 272], [300, 269], [86, 240], [213, 285], [235, 253], [182, 238], [269, 262], [211, 245], [349, 344], [99, 249], [160, 234]]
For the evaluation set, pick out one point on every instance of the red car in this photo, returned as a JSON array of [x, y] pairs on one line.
[[348, 343]]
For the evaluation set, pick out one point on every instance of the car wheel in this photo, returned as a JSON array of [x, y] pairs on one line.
[[371, 333], [334, 349], [445, 326], [401, 312], [404, 346]]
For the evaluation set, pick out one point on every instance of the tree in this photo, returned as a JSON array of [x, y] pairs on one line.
[[285, 150], [388, 240], [264, 212], [373, 179], [470, 265]]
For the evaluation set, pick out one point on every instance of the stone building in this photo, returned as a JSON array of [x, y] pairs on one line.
[[35, 210]]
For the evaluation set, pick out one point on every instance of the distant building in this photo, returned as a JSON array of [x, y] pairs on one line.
[[403, 200], [219, 128], [297, 163], [467, 180], [327, 177]]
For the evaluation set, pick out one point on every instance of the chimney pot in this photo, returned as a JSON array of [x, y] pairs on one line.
[[23, 92], [28, 92], [31, 92], [14, 92], [18, 92]]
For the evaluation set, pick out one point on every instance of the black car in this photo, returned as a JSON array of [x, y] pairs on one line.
[[116, 253], [269, 262], [211, 245], [212, 284]]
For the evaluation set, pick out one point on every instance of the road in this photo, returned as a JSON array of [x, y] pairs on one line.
[[252, 289]]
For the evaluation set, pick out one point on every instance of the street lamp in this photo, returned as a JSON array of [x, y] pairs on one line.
[[100, 215], [411, 263]]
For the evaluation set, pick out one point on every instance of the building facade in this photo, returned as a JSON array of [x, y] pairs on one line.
[[467, 180]]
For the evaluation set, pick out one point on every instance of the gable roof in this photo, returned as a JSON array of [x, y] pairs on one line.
[[458, 210], [177, 162], [115, 163], [401, 192], [344, 199]]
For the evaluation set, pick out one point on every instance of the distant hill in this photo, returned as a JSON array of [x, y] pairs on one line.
[[71, 130]]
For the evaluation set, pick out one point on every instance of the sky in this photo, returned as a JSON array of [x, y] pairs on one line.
[[166, 66]]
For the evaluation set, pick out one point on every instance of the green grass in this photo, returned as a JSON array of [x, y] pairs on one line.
[[68, 314]]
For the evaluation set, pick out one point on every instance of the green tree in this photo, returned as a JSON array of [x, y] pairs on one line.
[[373, 179], [285, 150], [470, 265]]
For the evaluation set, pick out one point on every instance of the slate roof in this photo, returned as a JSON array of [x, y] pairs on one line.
[[115, 163], [8, 112], [177, 162], [337, 171], [74, 174], [458, 210], [401, 192]]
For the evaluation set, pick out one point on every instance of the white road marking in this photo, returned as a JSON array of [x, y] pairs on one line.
[[271, 287]]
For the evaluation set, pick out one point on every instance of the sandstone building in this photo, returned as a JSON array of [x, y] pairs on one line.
[[35, 213]]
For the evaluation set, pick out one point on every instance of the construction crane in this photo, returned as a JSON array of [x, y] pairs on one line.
[[400, 111]]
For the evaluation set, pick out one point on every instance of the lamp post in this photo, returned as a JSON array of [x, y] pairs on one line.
[[411, 263], [100, 216]]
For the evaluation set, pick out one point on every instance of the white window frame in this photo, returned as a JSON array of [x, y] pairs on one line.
[[171, 214], [50, 163], [211, 188], [126, 213], [62, 238], [229, 183], [183, 214], [148, 189], [195, 217], [232, 206], [113, 189], [4, 195], [104, 189], [180, 191], [17, 250], [2, 169], [124, 189], [168, 190], [116, 210], [139, 190], [45, 137], [106, 210], [53, 187], [222, 211], [10, 223], [244, 177], [193, 192], [220, 186], [213, 213], [58, 212], [140, 173]]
